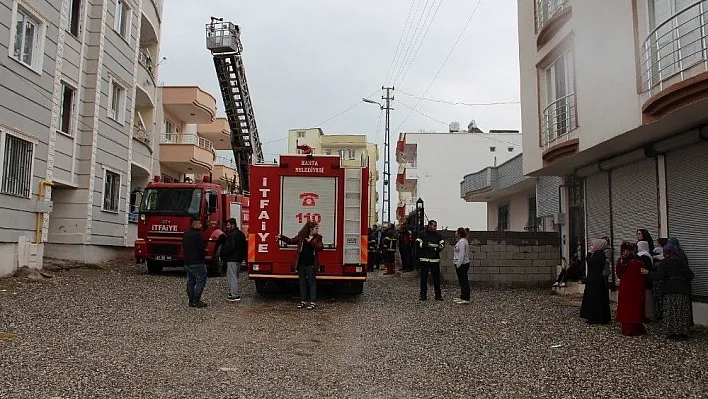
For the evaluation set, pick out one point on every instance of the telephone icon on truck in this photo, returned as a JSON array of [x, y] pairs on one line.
[[309, 199]]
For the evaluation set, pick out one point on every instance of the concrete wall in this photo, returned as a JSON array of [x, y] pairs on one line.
[[506, 258]]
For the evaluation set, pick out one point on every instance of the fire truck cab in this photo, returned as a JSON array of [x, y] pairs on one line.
[[164, 216], [302, 188]]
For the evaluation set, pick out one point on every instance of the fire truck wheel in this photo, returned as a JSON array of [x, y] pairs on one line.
[[153, 267], [217, 267], [260, 286]]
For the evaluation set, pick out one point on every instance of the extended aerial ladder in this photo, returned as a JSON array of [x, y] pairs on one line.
[[223, 39]]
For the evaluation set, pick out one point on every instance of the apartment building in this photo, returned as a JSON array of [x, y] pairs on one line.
[[431, 166], [350, 148], [616, 103], [77, 99], [515, 202]]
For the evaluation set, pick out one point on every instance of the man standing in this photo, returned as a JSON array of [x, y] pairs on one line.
[[234, 253], [389, 249], [431, 244], [404, 247], [371, 259], [194, 263]]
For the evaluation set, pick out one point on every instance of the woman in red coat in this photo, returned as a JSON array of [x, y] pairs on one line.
[[630, 303]]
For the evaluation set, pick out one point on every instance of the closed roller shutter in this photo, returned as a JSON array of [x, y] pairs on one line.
[[307, 199], [634, 201], [687, 194], [597, 206]]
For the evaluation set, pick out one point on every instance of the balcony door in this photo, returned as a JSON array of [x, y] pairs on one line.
[[676, 39], [559, 111]]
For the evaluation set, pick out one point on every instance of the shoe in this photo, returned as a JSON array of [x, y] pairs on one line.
[[438, 298], [301, 305], [556, 284], [456, 299], [233, 298], [311, 306], [462, 302], [198, 304], [562, 284]]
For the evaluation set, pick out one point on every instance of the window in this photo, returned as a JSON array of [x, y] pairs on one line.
[[75, 17], [111, 191], [300, 135], [503, 218], [532, 223], [559, 98], [67, 109], [122, 20], [170, 129], [511, 149], [328, 152], [352, 154], [116, 98], [492, 149], [27, 36], [17, 158]]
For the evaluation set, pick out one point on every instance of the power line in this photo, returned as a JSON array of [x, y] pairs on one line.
[[403, 53], [462, 33], [460, 102], [400, 39], [420, 44], [421, 113]]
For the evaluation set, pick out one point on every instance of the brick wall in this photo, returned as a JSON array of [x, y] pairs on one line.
[[506, 258]]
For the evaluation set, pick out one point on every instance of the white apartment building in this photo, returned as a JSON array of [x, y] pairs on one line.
[[350, 147], [431, 166], [614, 99], [77, 114]]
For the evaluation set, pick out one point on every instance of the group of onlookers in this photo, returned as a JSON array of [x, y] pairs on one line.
[[654, 285]]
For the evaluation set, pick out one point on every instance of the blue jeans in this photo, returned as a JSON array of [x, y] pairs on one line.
[[306, 275], [196, 280]]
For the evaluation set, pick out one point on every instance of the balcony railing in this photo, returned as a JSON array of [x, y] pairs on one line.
[[675, 46], [145, 60], [142, 136], [193, 139], [225, 162], [558, 119], [546, 9]]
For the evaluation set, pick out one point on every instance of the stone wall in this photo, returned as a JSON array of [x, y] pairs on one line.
[[506, 258]]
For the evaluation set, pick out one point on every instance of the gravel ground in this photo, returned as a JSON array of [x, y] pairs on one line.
[[120, 333]]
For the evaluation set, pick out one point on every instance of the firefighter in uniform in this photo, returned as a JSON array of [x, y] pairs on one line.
[[390, 242], [431, 244], [404, 247], [371, 259]]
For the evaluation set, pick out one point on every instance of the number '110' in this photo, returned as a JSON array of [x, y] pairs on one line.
[[308, 217]]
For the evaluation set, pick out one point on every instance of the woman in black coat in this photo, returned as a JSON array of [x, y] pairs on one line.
[[596, 299]]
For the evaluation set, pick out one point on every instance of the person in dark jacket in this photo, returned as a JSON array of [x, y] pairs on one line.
[[595, 308], [682, 255], [404, 247], [195, 263], [431, 244], [389, 240], [676, 277], [371, 251], [307, 260], [234, 253]]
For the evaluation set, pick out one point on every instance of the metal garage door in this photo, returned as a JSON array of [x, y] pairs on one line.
[[597, 206], [634, 201], [687, 194]]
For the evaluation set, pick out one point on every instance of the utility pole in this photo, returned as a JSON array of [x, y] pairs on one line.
[[386, 206]]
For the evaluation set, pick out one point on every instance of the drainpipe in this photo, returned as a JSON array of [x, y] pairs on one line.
[[38, 219], [560, 210]]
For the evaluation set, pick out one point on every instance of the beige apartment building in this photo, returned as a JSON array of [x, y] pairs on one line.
[[614, 99], [350, 148], [78, 96]]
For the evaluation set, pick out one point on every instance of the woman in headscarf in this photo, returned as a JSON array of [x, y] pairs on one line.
[[630, 300], [595, 308], [682, 255], [643, 235], [677, 278], [649, 303]]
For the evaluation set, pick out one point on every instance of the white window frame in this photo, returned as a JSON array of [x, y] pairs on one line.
[[79, 16], [124, 9], [106, 171], [352, 153], [72, 111], [119, 114], [39, 35], [4, 132]]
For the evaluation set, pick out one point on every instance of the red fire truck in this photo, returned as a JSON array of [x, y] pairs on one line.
[[164, 216], [305, 188]]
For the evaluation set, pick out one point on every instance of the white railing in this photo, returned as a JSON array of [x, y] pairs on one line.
[[193, 139], [674, 46], [225, 162], [558, 119], [142, 136], [546, 9]]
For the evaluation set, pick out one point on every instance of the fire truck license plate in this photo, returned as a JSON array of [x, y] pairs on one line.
[[163, 257]]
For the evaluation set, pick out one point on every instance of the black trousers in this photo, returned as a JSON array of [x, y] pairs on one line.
[[406, 258], [464, 281], [434, 268]]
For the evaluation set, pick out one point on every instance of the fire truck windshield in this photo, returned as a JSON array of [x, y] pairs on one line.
[[171, 201]]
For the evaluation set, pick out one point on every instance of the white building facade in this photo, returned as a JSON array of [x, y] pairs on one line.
[[431, 166], [624, 124], [77, 104]]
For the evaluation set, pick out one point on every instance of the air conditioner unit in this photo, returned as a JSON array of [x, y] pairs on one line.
[[559, 218]]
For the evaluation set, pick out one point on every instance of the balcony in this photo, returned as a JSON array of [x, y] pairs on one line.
[[494, 183], [674, 62], [187, 153], [218, 132], [558, 120], [406, 152], [142, 151], [224, 171], [150, 21], [546, 10], [146, 79], [189, 103]]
